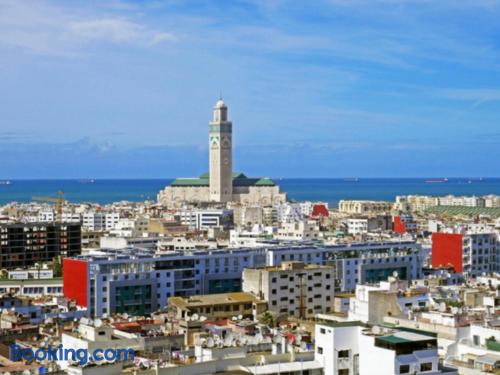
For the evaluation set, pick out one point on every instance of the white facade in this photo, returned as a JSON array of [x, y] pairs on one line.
[[204, 219], [357, 226], [299, 231], [481, 253], [373, 302], [349, 348], [293, 289]]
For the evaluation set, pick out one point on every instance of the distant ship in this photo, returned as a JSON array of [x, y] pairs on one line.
[[436, 181], [5, 182], [355, 179], [89, 181]]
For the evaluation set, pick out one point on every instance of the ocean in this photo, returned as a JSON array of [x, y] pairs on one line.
[[330, 190]]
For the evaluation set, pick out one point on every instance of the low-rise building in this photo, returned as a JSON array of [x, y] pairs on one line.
[[351, 348], [217, 306], [364, 207]]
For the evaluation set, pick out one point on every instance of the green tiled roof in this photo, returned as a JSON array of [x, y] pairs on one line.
[[239, 180], [190, 182], [393, 339], [265, 182], [463, 210]]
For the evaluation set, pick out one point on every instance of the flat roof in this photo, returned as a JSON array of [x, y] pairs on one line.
[[53, 281], [213, 299], [279, 268], [405, 337]]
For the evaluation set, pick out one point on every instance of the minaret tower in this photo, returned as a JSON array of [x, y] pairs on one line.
[[221, 154]]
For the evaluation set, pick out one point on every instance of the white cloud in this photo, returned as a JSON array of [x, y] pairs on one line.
[[43, 28], [117, 30], [107, 29]]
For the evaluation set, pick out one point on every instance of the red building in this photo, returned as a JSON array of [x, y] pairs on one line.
[[75, 280], [398, 226], [447, 250], [319, 210]]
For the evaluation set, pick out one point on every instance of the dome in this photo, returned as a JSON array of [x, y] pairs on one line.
[[220, 103]]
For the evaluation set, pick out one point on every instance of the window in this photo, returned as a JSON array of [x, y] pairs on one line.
[[343, 353], [320, 350], [322, 331], [426, 366], [404, 369]]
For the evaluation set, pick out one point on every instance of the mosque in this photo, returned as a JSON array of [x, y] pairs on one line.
[[221, 184]]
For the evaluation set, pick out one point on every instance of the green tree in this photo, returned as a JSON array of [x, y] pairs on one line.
[[267, 319], [57, 266]]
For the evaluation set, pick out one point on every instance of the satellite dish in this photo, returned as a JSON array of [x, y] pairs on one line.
[[195, 317], [98, 323], [203, 318], [210, 342], [187, 318], [240, 317]]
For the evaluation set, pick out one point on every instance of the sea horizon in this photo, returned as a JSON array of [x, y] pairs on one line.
[[325, 189]]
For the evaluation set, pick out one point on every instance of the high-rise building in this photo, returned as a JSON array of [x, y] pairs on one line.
[[24, 244], [221, 184], [221, 155]]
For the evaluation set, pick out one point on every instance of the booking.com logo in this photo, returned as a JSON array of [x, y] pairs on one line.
[[58, 353]]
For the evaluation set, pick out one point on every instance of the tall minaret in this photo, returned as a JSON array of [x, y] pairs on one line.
[[221, 155]]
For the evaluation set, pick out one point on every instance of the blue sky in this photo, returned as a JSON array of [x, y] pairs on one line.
[[333, 88]]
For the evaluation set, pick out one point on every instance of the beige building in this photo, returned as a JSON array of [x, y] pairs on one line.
[[217, 306], [365, 207], [293, 288], [221, 184]]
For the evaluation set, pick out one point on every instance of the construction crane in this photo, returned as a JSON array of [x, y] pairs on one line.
[[58, 201]]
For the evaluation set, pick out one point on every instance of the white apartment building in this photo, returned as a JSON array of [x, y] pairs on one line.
[[302, 230], [257, 236], [415, 202], [350, 348], [492, 201], [475, 350], [289, 212], [99, 221], [204, 219], [362, 225], [294, 289], [32, 287], [372, 302], [451, 200], [50, 216], [481, 253], [91, 336], [356, 226]]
